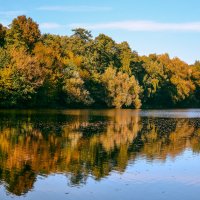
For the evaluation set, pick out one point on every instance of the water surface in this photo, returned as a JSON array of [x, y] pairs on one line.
[[99, 154]]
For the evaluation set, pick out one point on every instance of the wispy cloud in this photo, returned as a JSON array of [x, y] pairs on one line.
[[51, 26], [80, 8], [142, 26], [9, 14], [145, 26]]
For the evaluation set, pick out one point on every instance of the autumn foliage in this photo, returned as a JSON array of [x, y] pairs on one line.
[[45, 70]]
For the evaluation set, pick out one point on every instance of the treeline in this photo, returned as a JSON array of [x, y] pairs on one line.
[[45, 70]]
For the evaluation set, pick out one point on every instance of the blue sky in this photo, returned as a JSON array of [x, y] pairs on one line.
[[150, 26]]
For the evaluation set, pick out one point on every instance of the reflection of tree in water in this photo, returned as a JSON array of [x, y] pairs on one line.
[[18, 181], [167, 137], [80, 143]]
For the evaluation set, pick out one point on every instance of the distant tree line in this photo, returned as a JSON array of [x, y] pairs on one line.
[[45, 70]]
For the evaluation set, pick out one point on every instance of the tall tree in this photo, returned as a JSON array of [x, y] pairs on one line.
[[23, 32], [106, 53]]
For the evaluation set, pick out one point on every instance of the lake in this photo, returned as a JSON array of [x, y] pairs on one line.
[[99, 154]]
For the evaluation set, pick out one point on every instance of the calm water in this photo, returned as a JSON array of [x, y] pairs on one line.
[[100, 154]]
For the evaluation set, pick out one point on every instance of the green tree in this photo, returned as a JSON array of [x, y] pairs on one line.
[[106, 53]]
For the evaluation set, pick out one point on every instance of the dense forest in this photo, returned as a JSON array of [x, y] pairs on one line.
[[45, 70]]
